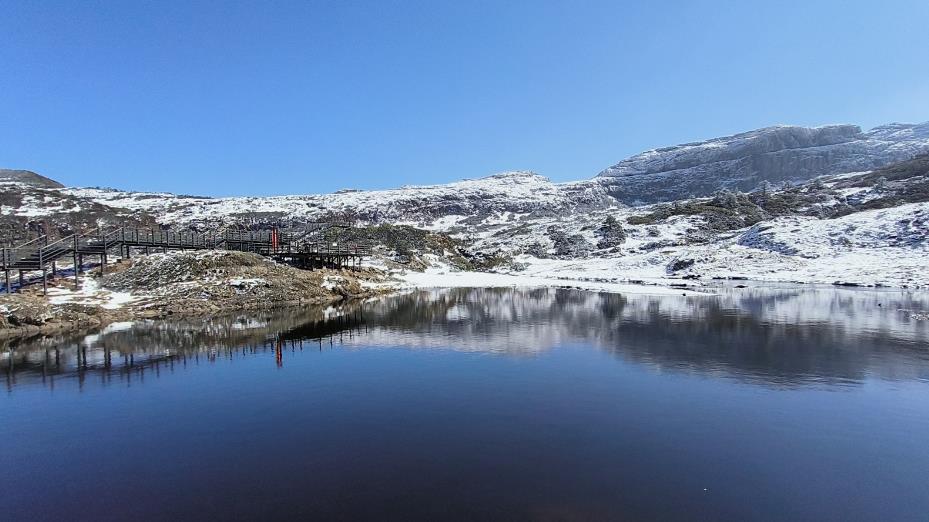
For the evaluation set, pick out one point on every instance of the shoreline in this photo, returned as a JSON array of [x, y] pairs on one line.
[[90, 318], [104, 320], [437, 278]]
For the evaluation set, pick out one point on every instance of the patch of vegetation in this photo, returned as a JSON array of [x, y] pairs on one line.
[[488, 261], [568, 245], [905, 182], [680, 264], [726, 211], [403, 239], [408, 242], [729, 210], [611, 233], [538, 249], [916, 167], [521, 230], [11, 198]]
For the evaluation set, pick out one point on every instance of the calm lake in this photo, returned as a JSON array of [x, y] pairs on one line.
[[771, 403]]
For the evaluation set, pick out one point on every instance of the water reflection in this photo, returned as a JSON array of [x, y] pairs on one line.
[[768, 335], [124, 352]]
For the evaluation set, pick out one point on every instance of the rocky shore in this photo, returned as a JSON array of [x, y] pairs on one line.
[[179, 284]]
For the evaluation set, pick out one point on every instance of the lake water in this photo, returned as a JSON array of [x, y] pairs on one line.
[[759, 404]]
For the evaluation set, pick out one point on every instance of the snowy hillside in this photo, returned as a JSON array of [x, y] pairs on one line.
[[878, 247], [515, 192]]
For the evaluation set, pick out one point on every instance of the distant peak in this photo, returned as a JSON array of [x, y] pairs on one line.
[[516, 174], [27, 177], [510, 175]]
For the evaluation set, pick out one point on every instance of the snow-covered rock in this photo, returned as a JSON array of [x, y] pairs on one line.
[[774, 154]]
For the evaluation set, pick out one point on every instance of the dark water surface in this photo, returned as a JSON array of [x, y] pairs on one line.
[[758, 404]]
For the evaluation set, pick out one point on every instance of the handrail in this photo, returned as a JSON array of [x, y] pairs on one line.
[[66, 238], [22, 251], [306, 240], [40, 238]]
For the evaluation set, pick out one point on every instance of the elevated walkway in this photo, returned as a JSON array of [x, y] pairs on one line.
[[306, 247]]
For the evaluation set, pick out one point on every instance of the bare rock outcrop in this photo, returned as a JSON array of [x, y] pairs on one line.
[[773, 154]]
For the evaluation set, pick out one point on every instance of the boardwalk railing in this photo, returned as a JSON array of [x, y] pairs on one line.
[[303, 247]]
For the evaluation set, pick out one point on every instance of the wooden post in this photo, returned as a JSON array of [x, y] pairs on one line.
[[77, 267], [44, 272], [6, 276], [102, 252]]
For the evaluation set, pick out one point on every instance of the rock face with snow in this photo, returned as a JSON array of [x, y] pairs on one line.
[[773, 154]]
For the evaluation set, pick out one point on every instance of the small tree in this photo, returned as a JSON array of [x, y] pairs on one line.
[[766, 188]]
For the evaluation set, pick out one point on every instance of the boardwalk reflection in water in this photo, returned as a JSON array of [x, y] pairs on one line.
[[778, 336], [127, 351]]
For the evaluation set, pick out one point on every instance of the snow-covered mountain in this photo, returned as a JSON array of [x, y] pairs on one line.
[[773, 154], [740, 162], [852, 224]]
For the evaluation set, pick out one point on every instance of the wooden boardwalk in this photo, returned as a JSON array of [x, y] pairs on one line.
[[305, 247]]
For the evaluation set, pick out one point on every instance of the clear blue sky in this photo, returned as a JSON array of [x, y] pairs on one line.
[[284, 97]]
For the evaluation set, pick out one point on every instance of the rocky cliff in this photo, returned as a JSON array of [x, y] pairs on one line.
[[773, 154]]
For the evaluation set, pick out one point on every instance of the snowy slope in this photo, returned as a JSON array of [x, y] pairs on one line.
[[518, 192], [878, 247]]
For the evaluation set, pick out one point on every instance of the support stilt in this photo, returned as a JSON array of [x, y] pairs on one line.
[[77, 266]]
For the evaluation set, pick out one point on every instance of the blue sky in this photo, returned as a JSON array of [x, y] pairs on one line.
[[223, 98]]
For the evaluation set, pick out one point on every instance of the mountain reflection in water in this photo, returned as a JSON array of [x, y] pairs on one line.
[[768, 335], [756, 404]]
